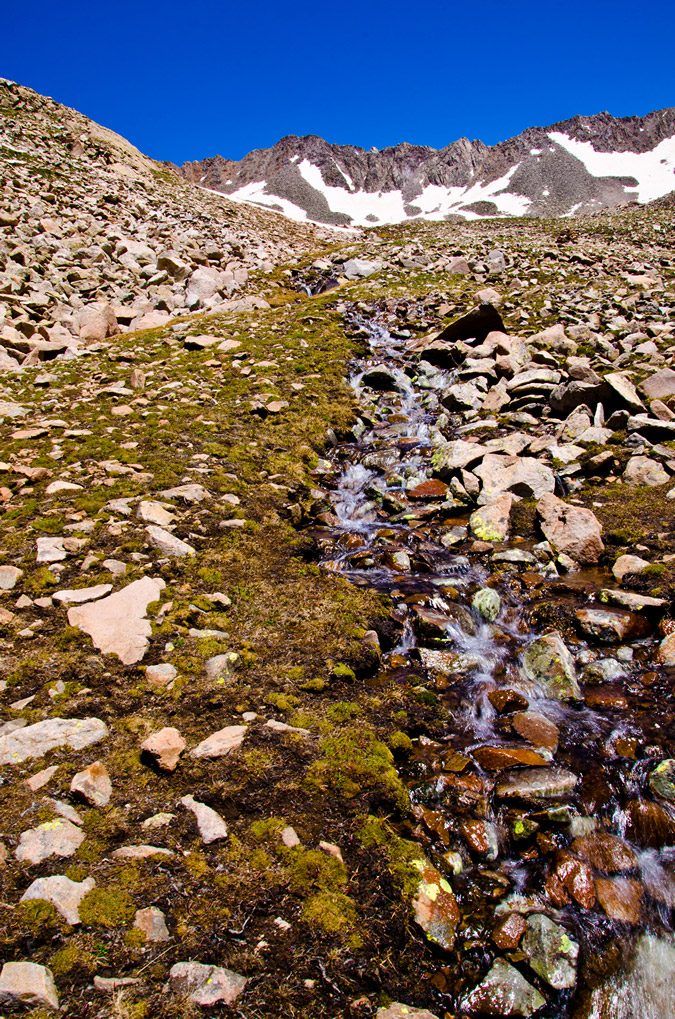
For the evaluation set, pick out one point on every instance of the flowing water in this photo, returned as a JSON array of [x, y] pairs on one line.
[[503, 851]]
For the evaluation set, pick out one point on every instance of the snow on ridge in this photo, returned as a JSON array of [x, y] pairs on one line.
[[654, 170]]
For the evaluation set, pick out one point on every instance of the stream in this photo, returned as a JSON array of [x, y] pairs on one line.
[[544, 812]]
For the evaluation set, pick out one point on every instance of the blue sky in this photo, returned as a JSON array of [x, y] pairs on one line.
[[185, 81]]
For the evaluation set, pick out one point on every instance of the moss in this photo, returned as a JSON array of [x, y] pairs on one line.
[[314, 685], [343, 711], [38, 916], [332, 912], [399, 741], [106, 907], [281, 701], [268, 830], [356, 762], [342, 671], [70, 957], [401, 854]]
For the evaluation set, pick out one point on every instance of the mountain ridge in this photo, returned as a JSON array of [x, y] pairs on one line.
[[578, 165]]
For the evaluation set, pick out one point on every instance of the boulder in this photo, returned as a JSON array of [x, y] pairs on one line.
[[571, 529], [521, 475], [475, 325], [642, 470], [660, 385]]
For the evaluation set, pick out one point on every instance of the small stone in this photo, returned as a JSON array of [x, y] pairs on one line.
[[158, 820], [547, 661], [508, 932], [487, 603], [93, 785], [64, 894], [41, 778], [605, 852], [628, 564], [28, 982], [536, 729], [496, 758], [399, 1011], [211, 825], [8, 577], [168, 543], [160, 675], [152, 512], [537, 784], [140, 852], [662, 780], [205, 985], [491, 522], [220, 743], [221, 667], [111, 984], [289, 837], [153, 923], [53, 838], [165, 746]]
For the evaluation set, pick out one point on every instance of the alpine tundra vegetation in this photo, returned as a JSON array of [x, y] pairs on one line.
[[337, 576]]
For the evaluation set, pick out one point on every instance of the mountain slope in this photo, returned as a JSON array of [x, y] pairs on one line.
[[576, 166]]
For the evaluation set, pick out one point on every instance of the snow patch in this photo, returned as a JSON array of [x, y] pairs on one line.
[[654, 171]]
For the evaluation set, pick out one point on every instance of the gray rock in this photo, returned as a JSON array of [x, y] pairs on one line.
[[8, 577], [53, 838], [220, 743], [36, 740], [359, 268], [221, 667], [537, 784], [522, 476], [487, 603], [547, 661], [399, 1011], [641, 470], [168, 543], [504, 992], [571, 529], [205, 985], [550, 951]]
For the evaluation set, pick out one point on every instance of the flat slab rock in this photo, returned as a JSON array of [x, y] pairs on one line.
[[221, 742], [399, 1011], [53, 838], [206, 985], [117, 624], [28, 982], [64, 894], [36, 740], [211, 825]]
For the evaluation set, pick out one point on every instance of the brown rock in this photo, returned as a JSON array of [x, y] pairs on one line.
[[577, 877], [620, 897], [536, 729], [429, 490], [497, 758], [650, 825], [506, 700], [605, 852], [509, 931]]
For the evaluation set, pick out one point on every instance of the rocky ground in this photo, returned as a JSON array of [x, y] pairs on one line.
[[207, 751]]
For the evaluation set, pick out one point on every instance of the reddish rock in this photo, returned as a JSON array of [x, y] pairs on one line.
[[509, 931], [536, 729], [577, 877], [477, 837], [605, 852], [556, 891], [605, 697], [498, 758], [429, 490], [650, 825], [506, 700], [620, 897]]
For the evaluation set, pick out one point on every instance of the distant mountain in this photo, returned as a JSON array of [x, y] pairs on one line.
[[577, 166]]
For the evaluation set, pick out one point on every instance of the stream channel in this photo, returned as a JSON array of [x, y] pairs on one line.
[[541, 805]]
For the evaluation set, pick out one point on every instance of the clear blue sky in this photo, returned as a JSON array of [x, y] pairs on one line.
[[187, 80]]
